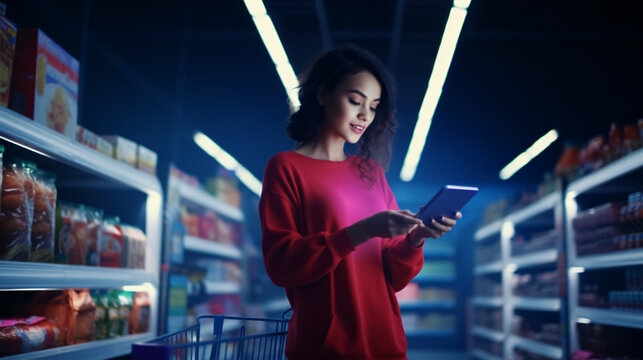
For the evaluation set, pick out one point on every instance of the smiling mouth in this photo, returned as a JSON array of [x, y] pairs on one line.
[[357, 128]]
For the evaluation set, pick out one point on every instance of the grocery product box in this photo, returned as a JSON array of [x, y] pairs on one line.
[[44, 84], [124, 149], [146, 160], [86, 137], [8, 31], [105, 147]]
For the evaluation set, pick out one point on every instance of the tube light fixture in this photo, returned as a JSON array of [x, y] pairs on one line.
[[525, 157], [434, 90], [270, 39], [228, 162]]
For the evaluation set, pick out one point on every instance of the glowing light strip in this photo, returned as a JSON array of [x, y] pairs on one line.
[[227, 161], [525, 157], [434, 90], [275, 49]]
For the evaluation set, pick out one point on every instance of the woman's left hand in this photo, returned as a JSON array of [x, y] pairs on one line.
[[434, 230]]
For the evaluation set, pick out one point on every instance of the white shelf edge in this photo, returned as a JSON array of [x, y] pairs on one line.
[[537, 347], [611, 317], [542, 304], [19, 129], [198, 196], [613, 259], [488, 230], [494, 267], [489, 334], [279, 305], [534, 259], [210, 247], [29, 275], [481, 354], [609, 172], [548, 202], [104, 349], [488, 301], [221, 287]]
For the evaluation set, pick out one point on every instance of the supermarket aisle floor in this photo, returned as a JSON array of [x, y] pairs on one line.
[[436, 355]]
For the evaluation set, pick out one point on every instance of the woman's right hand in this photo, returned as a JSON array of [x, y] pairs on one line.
[[385, 224]]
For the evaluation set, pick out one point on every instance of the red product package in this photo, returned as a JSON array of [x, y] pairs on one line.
[[110, 243], [78, 237], [8, 32], [44, 84], [24, 335]]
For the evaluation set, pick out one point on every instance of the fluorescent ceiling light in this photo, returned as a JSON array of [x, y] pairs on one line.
[[270, 39], [434, 89], [525, 157], [228, 162]]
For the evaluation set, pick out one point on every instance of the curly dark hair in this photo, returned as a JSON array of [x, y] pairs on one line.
[[328, 71]]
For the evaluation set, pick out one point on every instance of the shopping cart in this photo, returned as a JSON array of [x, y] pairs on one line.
[[219, 337]]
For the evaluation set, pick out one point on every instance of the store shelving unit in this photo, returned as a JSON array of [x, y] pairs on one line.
[[85, 173], [610, 183], [543, 214]]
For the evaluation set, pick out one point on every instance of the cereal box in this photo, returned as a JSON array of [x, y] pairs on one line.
[[7, 49], [124, 149], [45, 82], [146, 160]]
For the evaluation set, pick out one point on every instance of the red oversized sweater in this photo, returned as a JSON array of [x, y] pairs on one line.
[[343, 298]]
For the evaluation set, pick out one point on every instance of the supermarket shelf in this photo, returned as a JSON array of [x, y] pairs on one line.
[[489, 334], [221, 287], [210, 247], [430, 333], [483, 355], [494, 267], [28, 275], [198, 196], [541, 205], [434, 279], [274, 306], [104, 348], [618, 168], [439, 253], [541, 304], [534, 259], [611, 317], [488, 230], [537, 347], [23, 131], [427, 305], [488, 301], [613, 259]]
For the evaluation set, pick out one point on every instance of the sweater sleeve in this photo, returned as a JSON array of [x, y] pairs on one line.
[[291, 259], [402, 262]]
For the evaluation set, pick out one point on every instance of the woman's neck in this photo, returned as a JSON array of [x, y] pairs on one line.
[[323, 148]]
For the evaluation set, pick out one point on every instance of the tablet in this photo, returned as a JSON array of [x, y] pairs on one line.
[[448, 201]]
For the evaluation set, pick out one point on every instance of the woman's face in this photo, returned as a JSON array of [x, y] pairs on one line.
[[350, 108]]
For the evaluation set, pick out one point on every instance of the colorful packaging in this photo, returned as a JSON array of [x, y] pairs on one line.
[[29, 171], [101, 318], [45, 82], [73, 311], [78, 237], [64, 212], [26, 335], [124, 149], [124, 311], [44, 220], [146, 160], [8, 32], [140, 316], [110, 243], [15, 244], [113, 315], [105, 147], [86, 137], [133, 247], [94, 219]]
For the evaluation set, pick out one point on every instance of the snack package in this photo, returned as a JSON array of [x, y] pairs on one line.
[[44, 220], [24, 335], [133, 247], [78, 237], [15, 244], [101, 320], [110, 243], [8, 32], [124, 310], [124, 149], [84, 310], [94, 219], [113, 315], [45, 82], [64, 212], [73, 311], [140, 316], [146, 160]]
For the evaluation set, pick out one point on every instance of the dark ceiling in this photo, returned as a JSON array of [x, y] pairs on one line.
[[156, 71]]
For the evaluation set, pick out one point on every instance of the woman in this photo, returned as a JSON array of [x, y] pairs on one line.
[[333, 236]]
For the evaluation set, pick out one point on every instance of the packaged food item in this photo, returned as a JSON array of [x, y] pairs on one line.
[[73, 311], [45, 82], [140, 315], [208, 226], [1, 166], [101, 318], [146, 160], [84, 311], [124, 149], [8, 32], [94, 219], [78, 237], [15, 244], [24, 335], [124, 311], [29, 170], [104, 147], [44, 220], [64, 212], [110, 243], [133, 247], [113, 307], [86, 137]]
